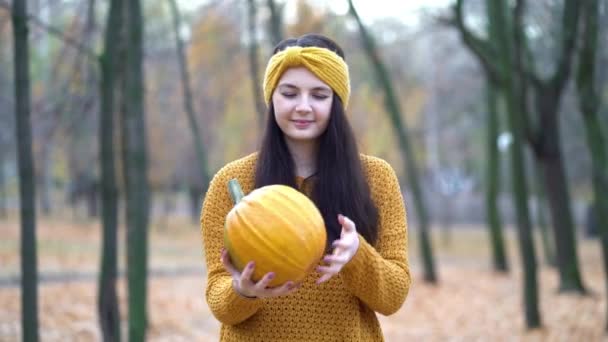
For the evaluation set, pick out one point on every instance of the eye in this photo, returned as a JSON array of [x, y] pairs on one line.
[[289, 95], [320, 96]]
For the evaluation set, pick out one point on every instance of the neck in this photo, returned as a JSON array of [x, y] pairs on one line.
[[304, 156]]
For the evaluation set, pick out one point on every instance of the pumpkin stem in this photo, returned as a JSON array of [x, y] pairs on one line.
[[236, 193]]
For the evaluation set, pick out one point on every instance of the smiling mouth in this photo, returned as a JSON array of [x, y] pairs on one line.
[[302, 124]]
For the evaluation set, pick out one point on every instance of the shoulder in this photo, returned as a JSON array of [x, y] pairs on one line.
[[375, 167], [245, 164], [243, 169], [381, 177]]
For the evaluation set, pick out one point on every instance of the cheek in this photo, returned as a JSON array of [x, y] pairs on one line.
[[324, 113], [280, 108]]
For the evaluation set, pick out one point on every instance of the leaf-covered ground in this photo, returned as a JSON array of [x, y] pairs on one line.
[[471, 303]]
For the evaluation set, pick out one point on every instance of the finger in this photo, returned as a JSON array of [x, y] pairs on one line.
[[266, 279], [281, 290], [293, 288], [248, 271], [225, 258], [348, 225], [340, 244], [332, 269], [336, 259], [324, 278]]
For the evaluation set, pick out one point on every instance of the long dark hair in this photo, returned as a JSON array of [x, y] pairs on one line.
[[340, 186]]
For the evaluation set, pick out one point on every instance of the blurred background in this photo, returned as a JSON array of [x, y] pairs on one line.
[[114, 115]]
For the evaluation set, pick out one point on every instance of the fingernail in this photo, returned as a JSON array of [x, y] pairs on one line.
[[271, 275], [251, 265]]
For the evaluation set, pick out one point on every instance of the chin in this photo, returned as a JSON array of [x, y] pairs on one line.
[[302, 137]]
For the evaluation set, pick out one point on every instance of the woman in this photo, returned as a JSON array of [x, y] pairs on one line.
[[309, 145]]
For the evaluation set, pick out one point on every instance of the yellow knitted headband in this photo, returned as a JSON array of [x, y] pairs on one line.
[[324, 63]]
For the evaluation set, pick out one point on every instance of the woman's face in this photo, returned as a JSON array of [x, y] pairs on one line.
[[302, 105]]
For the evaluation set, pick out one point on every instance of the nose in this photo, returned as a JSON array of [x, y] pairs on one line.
[[303, 105]]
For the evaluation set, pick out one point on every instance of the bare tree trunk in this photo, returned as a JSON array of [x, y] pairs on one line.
[[276, 22], [4, 134], [253, 65], [589, 104], [545, 139], [541, 211], [107, 299], [502, 26], [29, 267], [496, 56], [135, 175], [91, 70], [493, 175], [3, 193], [43, 181], [188, 102], [394, 112], [550, 158], [499, 17]]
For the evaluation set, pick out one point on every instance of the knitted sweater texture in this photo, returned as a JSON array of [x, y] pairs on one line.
[[376, 279]]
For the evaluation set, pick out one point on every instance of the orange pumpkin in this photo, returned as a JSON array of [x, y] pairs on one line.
[[278, 228]]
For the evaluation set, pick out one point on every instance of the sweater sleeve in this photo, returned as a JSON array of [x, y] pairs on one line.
[[225, 303], [380, 276]]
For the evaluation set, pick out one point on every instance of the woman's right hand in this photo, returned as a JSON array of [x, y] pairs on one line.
[[244, 285]]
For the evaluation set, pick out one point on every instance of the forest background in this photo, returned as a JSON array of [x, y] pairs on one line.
[[435, 90]]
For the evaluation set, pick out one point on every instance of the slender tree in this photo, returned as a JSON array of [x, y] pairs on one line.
[[541, 212], [499, 258], [4, 136], [107, 301], [275, 24], [253, 63], [545, 138], [494, 223], [393, 110], [188, 102], [497, 59], [29, 267], [589, 103], [135, 164], [3, 192], [499, 10]]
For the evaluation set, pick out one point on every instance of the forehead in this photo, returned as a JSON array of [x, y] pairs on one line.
[[301, 77]]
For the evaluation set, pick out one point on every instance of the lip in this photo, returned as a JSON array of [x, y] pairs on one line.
[[302, 123]]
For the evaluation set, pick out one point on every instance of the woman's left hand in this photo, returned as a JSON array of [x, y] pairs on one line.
[[344, 250]]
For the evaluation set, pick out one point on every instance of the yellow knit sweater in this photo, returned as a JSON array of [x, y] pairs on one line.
[[377, 278]]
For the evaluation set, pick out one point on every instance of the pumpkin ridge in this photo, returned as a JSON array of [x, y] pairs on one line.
[[296, 264], [310, 206], [236, 261], [294, 212], [267, 245]]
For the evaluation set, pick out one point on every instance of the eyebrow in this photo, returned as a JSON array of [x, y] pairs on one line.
[[289, 85]]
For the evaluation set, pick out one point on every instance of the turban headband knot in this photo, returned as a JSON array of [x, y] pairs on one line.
[[328, 66]]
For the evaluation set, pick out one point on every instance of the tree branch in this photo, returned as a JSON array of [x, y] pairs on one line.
[[54, 32], [481, 48], [522, 47], [524, 71], [570, 18]]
